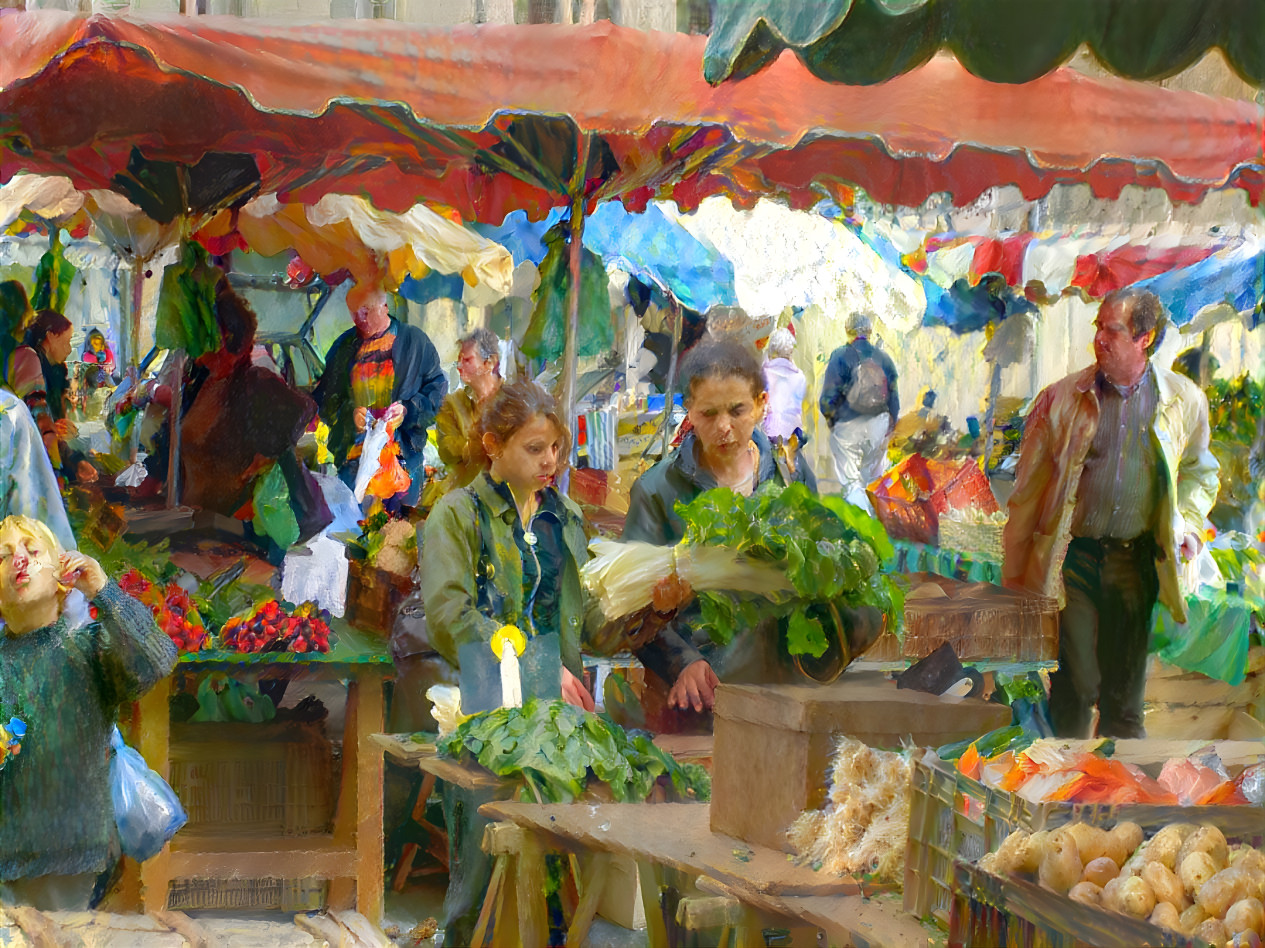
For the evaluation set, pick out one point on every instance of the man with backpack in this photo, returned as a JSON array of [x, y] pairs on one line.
[[860, 404]]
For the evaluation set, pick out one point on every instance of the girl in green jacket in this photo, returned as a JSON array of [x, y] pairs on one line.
[[507, 550]]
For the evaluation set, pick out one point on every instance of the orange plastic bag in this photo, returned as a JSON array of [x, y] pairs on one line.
[[390, 478]]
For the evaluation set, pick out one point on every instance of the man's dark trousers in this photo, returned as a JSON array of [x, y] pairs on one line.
[[1104, 629]]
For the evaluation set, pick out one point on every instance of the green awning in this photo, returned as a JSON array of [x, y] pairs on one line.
[[860, 42]]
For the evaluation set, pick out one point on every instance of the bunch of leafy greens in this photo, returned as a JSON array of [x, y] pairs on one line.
[[832, 553], [186, 303], [553, 745]]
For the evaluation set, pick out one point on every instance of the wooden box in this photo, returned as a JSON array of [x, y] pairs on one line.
[[374, 597], [774, 743], [1185, 705]]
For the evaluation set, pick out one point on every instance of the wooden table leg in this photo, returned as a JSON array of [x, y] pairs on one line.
[[359, 816], [594, 883], [529, 885], [144, 886], [648, 882], [409, 851]]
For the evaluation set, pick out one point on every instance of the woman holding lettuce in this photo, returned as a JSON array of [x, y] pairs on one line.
[[725, 400]]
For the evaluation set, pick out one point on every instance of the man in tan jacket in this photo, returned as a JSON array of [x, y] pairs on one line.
[[1114, 482]]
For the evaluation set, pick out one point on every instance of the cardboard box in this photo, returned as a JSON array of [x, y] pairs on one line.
[[774, 743]]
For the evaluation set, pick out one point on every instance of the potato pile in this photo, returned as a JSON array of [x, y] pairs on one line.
[[1185, 878]]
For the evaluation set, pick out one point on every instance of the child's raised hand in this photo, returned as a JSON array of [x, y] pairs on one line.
[[82, 572]]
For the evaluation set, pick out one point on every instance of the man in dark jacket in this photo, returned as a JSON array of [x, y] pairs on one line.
[[860, 404], [380, 368]]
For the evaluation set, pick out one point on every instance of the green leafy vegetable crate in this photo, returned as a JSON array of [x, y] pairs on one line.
[[774, 743]]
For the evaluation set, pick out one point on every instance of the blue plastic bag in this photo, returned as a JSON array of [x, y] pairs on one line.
[[146, 809]]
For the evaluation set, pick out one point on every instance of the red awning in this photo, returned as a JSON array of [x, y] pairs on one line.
[[483, 119]]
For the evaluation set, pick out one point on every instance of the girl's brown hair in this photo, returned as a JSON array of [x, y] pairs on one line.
[[514, 405]]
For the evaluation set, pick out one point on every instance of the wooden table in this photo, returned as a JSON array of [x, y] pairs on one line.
[[674, 836], [351, 857]]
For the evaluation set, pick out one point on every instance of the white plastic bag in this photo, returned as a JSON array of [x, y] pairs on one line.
[[342, 504], [1200, 571], [376, 438], [316, 572], [134, 473]]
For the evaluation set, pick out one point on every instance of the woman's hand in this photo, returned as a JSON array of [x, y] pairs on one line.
[[359, 418], [670, 594], [82, 572], [695, 687], [86, 473], [574, 692]]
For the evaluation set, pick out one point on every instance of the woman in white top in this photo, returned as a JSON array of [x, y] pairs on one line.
[[787, 387]]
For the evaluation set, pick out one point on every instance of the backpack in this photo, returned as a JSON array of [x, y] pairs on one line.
[[867, 395]]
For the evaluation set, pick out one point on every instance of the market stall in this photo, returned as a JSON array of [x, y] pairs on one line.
[[475, 127]]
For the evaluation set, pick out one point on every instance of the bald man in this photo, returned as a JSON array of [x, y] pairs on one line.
[[380, 368]]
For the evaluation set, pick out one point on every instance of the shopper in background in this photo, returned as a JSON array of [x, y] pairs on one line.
[[385, 369], [458, 442], [39, 377], [787, 388], [15, 315], [860, 404]]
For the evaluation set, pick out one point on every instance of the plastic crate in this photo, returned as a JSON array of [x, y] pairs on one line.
[[909, 498], [952, 818], [901, 500], [254, 779], [1015, 913], [263, 895]]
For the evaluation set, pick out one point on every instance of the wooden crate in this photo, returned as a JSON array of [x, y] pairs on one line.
[[1182, 705], [774, 743], [272, 779]]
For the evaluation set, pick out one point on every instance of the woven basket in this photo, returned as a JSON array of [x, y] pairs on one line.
[[254, 779], [982, 539], [982, 622], [264, 895]]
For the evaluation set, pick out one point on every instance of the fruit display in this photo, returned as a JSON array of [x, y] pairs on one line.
[[1186, 878], [269, 628], [172, 607]]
